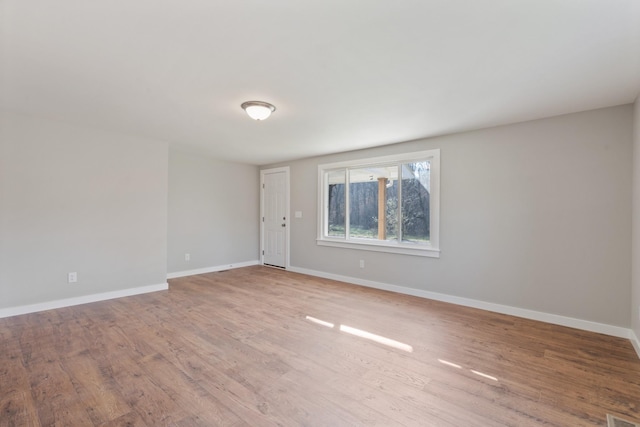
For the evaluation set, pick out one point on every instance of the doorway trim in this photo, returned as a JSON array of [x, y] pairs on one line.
[[287, 233]]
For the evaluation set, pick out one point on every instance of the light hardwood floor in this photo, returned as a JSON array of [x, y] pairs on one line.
[[263, 347]]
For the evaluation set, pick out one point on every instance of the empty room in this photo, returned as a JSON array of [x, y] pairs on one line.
[[250, 213]]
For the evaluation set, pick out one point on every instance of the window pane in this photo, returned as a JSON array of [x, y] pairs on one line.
[[391, 207], [336, 203], [371, 205], [415, 202]]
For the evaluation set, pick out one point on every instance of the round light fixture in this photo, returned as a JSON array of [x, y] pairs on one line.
[[258, 110]]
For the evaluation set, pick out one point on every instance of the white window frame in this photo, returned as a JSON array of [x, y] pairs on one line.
[[431, 249]]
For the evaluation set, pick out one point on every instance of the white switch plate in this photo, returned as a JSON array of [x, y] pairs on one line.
[[298, 214], [187, 257], [72, 277], [361, 263]]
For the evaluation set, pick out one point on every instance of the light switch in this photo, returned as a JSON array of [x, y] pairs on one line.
[[298, 214]]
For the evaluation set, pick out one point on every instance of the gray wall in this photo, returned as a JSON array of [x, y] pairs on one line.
[[213, 212], [78, 199], [534, 215], [635, 285]]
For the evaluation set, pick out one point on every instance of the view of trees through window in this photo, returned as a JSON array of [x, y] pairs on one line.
[[378, 206]]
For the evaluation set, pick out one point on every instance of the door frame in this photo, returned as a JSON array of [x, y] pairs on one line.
[[287, 233]]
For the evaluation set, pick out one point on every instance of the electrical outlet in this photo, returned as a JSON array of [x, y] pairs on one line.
[[187, 257], [361, 263], [72, 277]]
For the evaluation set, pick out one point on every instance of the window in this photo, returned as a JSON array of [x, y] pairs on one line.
[[388, 204]]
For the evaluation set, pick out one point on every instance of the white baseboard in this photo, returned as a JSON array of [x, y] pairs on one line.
[[67, 302], [555, 319], [634, 341], [184, 273]]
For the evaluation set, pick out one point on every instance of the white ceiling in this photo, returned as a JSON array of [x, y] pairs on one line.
[[343, 74]]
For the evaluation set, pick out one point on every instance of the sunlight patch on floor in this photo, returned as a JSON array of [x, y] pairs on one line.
[[455, 365], [484, 375], [449, 364], [363, 334], [377, 338], [319, 322]]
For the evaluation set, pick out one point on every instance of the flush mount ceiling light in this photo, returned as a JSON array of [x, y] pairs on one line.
[[258, 110]]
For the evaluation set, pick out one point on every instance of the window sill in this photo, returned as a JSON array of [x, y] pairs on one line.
[[424, 251]]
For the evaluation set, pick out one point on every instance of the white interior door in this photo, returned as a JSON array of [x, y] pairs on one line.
[[275, 221]]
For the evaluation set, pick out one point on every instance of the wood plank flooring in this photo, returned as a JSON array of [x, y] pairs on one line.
[[263, 347]]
